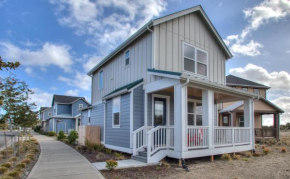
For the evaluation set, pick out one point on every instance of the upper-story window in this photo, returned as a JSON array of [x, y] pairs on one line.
[[101, 80], [116, 111], [127, 58], [245, 89], [256, 91], [81, 106], [195, 60]]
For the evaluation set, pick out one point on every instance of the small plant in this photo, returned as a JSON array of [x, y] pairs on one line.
[[262, 141], [51, 133], [100, 156], [37, 128], [3, 152], [272, 141], [13, 173], [1, 157], [78, 147], [165, 164], [256, 154], [111, 164], [263, 147], [30, 156], [73, 136], [13, 159], [158, 168], [119, 156], [237, 157], [226, 157], [89, 146], [21, 165], [66, 141], [7, 165], [283, 149], [99, 147], [61, 135], [3, 169], [245, 159], [26, 161], [266, 151], [249, 154], [108, 151]]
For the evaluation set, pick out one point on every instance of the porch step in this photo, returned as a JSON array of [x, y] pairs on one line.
[[140, 158], [144, 154]]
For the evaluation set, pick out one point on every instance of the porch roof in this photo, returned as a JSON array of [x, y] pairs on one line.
[[123, 89]]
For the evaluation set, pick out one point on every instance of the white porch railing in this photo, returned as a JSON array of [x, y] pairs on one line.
[[226, 136], [140, 138], [197, 137], [161, 137]]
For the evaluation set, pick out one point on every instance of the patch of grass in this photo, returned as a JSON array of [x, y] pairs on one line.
[[21, 165], [30, 156], [3, 169], [7, 165], [245, 159], [26, 161], [283, 149], [13, 173], [266, 151], [237, 157], [256, 154], [226, 157], [248, 154], [13, 159], [165, 164], [119, 156]]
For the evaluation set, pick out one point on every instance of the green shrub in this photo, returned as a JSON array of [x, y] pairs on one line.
[[72, 137], [21, 165], [165, 164], [51, 133], [89, 146], [13, 173], [37, 129], [7, 165], [111, 164], [119, 156], [99, 147], [3, 169], [226, 157], [108, 151], [61, 135]]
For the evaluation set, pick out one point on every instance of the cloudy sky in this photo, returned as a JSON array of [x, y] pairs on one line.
[[58, 41]]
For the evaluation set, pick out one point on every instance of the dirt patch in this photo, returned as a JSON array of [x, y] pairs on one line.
[[275, 164]]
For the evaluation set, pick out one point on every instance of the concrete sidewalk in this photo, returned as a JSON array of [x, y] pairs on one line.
[[58, 160]]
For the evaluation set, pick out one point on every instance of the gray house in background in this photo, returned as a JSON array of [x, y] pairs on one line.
[[156, 94], [64, 113]]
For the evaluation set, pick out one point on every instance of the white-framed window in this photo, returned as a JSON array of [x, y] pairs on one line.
[[245, 89], [195, 60], [81, 106], [116, 112], [127, 58], [89, 116], [241, 121], [194, 112], [101, 80], [256, 90], [49, 113]]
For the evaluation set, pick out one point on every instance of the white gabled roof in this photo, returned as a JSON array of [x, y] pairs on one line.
[[232, 107]]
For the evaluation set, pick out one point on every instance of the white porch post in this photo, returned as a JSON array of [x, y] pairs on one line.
[[249, 118], [180, 106], [208, 114]]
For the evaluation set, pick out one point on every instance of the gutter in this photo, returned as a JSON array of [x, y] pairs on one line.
[[186, 83]]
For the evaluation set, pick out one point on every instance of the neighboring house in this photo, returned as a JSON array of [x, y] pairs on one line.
[[156, 94], [41, 116], [64, 113], [232, 113]]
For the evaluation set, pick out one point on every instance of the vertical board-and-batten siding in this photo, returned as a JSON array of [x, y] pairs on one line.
[[117, 75], [191, 29], [118, 136], [138, 107]]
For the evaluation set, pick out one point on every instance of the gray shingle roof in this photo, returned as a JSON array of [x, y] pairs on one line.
[[43, 108], [64, 99], [237, 81]]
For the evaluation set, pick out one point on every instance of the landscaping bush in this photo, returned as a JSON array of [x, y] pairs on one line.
[[119, 156], [37, 129], [61, 135], [72, 137], [89, 146], [26, 161], [237, 157], [226, 157], [78, 147], [51, 133], [13, 159], [99, 147], [111, 164], [3, 170], [21, 165], [7, 165], [266, 150], [100, 156], [108, 151], [165, 164], [14, 173], [283, 149]]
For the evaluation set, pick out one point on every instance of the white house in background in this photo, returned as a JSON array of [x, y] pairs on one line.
[[156, 94]]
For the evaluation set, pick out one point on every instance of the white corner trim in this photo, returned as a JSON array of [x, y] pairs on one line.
[[131, 118], [121, 149]]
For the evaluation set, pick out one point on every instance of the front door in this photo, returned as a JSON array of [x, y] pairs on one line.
[[159, 111]]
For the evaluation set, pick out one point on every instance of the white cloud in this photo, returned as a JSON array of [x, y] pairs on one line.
[[106, 27], [49, 54], [92, 62], [278, 81], [72, 93], [29, 71], [265, 12], [79, 80], [40, 98]]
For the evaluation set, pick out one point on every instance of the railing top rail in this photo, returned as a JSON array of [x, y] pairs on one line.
[[197, 127], [159, 127], [142, 128]]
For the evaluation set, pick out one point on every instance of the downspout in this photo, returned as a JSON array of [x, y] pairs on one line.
[[186, 83]]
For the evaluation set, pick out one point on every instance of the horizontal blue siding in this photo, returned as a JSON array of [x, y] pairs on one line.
[[138, 107], [64, 109], [97, 118], [69, 123], [75, 107]]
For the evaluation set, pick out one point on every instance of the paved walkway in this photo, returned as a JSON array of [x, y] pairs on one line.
[[58, 160]]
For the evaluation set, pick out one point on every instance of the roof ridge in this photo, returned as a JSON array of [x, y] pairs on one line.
[[248, 80]]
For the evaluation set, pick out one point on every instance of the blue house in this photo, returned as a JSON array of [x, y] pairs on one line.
[[64, 113]]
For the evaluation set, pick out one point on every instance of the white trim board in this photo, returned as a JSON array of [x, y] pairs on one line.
[[121, 149]]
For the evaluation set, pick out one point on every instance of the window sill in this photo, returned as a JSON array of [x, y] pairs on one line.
[[116, 126]]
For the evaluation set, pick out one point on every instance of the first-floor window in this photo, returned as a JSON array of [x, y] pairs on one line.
[[116, 111], [241, 121], [194, 113]]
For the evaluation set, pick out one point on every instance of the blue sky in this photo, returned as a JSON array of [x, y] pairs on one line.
[[58, 41]]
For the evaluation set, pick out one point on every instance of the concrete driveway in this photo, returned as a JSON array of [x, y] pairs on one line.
[[58, 160]]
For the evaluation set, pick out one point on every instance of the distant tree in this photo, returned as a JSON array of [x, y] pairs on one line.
[[25, 116], [8, 65]]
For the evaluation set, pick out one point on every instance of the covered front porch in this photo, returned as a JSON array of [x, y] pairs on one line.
[[181, 121]]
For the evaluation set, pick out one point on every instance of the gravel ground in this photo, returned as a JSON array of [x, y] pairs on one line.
[[275, 165]]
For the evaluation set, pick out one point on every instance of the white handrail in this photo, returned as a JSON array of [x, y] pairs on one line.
[[140, 138]]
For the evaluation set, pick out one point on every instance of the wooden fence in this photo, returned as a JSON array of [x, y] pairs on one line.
[[91, 133]]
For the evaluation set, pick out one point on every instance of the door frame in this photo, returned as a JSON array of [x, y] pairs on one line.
[[167, 107], [229, 120]]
